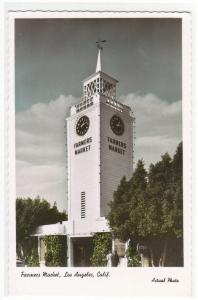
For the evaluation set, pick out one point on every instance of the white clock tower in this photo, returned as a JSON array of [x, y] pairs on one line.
[[99, 154]]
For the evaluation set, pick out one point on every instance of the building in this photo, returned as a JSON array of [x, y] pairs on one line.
[[99, 154]]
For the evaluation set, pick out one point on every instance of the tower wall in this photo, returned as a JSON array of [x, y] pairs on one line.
[[114, 165], [83, 168]]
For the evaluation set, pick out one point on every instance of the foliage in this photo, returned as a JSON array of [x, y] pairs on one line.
[[31, 213], [102, 245], [120, 207], [133, 256], [149, 207], [119, 210], [56, 250], [33, 259]]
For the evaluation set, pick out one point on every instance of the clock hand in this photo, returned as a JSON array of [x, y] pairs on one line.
[[82, 125]]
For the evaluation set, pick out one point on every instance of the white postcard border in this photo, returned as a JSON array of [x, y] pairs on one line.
[[128, 282]]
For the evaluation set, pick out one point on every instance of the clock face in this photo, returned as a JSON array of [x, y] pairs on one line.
[[82, 125], [117, 125]]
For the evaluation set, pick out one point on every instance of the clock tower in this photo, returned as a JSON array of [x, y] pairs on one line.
[[99, 154]]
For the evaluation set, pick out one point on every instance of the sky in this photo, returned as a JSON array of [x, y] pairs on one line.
[[53, 56]]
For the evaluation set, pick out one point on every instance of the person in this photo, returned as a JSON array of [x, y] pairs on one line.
[[109, 259], [115, 259]]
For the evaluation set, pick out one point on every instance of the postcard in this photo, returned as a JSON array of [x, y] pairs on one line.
[[98, 160]]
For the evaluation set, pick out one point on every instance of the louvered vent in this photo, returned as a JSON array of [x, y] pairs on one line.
[[82, 205]]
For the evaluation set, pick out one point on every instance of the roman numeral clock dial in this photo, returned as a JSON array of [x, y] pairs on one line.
[[82, 125]]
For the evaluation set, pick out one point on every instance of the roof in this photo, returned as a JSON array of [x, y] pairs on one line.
[[102, 73]]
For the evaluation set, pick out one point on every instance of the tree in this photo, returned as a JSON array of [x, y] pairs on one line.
[[119, 210], [32, 259], [148, 209], [125, 200], [31, 213], [172, 209]]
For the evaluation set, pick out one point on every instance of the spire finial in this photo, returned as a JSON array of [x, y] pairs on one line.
[[100, 48]]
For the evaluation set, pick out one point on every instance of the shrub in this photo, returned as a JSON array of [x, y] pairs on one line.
[[102, 245], [32, 259], [56, 251]]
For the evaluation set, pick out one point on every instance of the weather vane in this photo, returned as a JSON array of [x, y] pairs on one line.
[[99, 44]]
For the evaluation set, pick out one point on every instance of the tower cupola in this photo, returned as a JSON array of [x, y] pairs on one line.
[[99, 82]]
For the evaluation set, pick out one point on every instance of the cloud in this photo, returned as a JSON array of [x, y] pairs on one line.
[[158, 126], [40, 134], [41, 150], [47, 181]]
